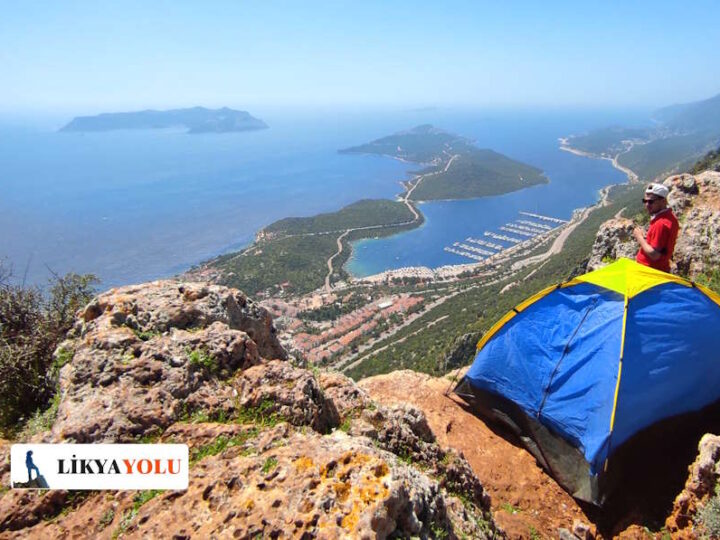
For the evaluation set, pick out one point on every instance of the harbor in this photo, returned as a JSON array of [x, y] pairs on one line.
[[512, 234]]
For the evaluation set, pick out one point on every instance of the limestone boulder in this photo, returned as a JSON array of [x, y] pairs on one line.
[[613, 241], [702, 483], [305, 485], [284, 391], [695, 200], [146, 356]]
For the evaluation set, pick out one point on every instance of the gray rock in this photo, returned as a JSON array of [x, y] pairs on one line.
[[695, 200], [148, 355]]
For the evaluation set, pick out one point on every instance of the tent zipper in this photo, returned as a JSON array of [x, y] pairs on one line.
[[566, 349]]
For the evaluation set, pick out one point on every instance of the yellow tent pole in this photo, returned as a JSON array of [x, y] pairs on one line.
[[619, 374]]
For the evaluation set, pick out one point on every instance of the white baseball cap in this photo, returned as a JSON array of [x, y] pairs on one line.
[[658, 190]]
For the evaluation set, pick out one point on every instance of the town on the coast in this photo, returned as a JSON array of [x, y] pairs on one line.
[[327, 317]]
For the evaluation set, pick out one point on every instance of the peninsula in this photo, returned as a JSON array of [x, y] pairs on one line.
[[456, 169], [298, 255], [196, 120]]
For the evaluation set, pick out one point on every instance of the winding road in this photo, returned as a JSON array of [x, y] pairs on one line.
[[406, 199]]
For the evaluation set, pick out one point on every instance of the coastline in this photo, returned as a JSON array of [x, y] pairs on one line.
[[453, 271], [346, 252], [632, 177]]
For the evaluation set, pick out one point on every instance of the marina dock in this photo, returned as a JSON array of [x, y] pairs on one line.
[[508, 228], [463, 253], [479, 242], [544, 218], [533, 224], [473, 249], [502, 237], [526, 229]]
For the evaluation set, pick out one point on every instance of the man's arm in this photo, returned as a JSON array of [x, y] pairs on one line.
[[651, 253]]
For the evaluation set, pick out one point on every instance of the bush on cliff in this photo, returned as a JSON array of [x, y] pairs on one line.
[[32, 324], [709, 162]]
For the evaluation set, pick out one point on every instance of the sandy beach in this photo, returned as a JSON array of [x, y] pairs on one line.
[[632, 177]]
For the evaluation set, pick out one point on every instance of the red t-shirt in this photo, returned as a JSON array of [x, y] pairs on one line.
[[661, 235]]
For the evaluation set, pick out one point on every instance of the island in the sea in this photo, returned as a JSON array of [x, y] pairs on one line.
[[456, 168], [195, 119]]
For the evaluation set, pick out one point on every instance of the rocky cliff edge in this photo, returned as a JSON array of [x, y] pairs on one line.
[[276, 451], [695, 200]]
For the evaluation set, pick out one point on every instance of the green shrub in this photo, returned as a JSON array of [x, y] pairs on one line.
[[32, 324], [269, 465], [221, 444], [106, 519], [711, 279], [200, 358], [708, 517]]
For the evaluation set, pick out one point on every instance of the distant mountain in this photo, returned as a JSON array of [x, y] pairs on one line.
[[683, 134], [697, 116], [196, 120]]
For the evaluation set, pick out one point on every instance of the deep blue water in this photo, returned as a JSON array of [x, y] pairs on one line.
[[137, 205], [532, 138]]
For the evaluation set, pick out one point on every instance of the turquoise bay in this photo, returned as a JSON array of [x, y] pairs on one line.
[[575, 182]]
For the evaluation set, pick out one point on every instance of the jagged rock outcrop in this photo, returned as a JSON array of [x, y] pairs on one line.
[[145, 356], [302, 485], [695, 200], [462, 351], [701, 486], [614, 240], [275, 451], [289, 392]]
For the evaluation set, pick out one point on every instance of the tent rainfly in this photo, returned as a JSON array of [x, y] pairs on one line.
[[581, 367]]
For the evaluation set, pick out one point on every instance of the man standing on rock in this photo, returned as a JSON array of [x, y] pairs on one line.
[[656, 249]]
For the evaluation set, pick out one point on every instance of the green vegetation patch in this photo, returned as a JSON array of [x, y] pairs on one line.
[[421, 144], [424, 346], [201, 359], [607, 140], [32, 325], [106, 519], [667, 155], [146, 335], [221, 444], [298, 264], [478, 173], [711, 279], [269, 465], [708, 517], [710, 161], [364, 213], [139, 500], [262, 415]]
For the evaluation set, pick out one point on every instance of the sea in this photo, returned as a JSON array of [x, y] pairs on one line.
[[137, 205]]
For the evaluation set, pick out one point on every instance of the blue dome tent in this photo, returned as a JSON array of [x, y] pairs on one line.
[[582, 367]]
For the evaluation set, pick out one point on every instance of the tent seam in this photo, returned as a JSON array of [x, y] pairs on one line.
[[619, 377]]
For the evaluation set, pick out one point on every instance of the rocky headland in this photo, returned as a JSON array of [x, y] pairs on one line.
[[276, 451], [695, 200], [280, 451]]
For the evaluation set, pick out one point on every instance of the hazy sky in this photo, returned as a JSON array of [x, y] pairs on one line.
[[94, 55]]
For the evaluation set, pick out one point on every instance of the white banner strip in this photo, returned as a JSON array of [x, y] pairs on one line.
[[99, 466]]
